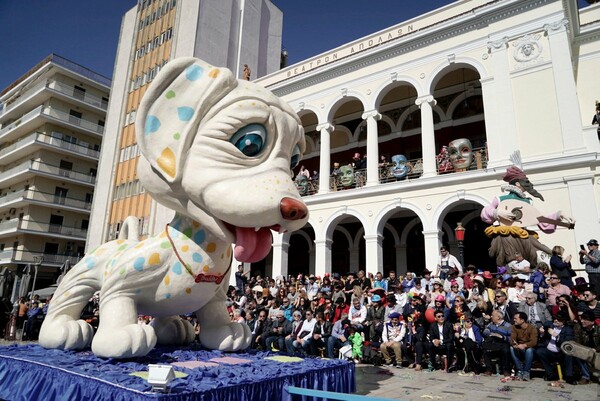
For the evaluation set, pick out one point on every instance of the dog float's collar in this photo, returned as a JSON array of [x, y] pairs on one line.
[[200, 277]]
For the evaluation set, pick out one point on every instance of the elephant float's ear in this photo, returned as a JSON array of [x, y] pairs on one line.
[[172, 108]]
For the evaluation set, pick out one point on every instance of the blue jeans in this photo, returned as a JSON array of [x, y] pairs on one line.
[[518, 355], [334, 342]]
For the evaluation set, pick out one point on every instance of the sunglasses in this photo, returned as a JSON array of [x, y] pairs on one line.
[[439, 316], [553, 278]]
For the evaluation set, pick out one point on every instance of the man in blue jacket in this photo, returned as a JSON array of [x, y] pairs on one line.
[[497, 343], [550, 353]]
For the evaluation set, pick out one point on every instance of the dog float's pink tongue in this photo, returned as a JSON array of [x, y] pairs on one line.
[[250, 245]]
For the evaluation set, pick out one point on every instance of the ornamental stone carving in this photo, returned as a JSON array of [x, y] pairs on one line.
[[527, 48]]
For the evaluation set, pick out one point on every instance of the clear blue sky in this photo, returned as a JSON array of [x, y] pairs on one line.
[[87, 31]]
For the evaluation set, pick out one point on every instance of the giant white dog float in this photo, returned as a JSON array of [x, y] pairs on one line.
[[218, 151]]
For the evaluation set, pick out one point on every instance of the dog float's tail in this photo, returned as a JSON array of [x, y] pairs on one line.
[[130, 230]]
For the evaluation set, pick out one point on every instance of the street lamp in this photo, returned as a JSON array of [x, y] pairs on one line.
[[37, 261], [459, 232]]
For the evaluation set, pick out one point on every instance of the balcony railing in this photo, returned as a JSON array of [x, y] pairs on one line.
[[48, 169], [79, 95], [80, 122], [44, 197], [23, 119], [57, 114], [359, 179], [50, 140], [16, 256], [46, 228]]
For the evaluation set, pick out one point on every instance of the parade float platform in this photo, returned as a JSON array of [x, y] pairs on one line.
[[30, 372]]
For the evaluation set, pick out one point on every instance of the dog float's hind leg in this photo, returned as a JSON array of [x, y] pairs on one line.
[[62, 327], [119, 335]]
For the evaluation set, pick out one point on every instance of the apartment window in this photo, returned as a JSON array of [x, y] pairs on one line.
[[56, 223], [169, 33], [66, 165], [85, 224], [88, 200], [60, 195], [74, 117], [51, 248], [79, 92]]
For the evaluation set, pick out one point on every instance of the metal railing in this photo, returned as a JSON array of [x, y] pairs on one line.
[[44, 197], [71, 91], [338, 183], [57, 114], [80, 122], [60, 87], [23, 119], [49, 169], [8, 256], [50, 140], [38, 226]]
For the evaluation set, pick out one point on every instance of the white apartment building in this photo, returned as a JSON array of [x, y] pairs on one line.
[[51, 127]]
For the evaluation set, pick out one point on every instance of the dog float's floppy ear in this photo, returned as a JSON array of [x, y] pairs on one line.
[[169, 114]]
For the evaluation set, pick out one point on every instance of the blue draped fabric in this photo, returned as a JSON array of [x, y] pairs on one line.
[[30, 372]]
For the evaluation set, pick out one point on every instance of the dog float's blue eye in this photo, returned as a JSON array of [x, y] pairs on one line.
[[295, 157], [250, 139]]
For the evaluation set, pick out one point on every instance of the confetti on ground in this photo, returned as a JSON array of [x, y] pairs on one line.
[[230, 361], [504, 389], [556, 384], [405, 376], [283, 358], [431, 397], [195, 364]]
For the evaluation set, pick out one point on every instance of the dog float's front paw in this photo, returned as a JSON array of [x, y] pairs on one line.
[[65, 333], [229, 337], [129, 341], [173, 330]]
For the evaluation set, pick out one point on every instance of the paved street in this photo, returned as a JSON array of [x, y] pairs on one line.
[[406, 384]]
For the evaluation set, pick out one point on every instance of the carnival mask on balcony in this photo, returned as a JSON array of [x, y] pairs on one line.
[[301, 184], [401, 168], [461, 153], [347, 176]]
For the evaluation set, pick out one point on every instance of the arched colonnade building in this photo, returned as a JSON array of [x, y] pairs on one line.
[[510, 76]]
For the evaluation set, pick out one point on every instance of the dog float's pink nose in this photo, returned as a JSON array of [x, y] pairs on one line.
[[291, 209]]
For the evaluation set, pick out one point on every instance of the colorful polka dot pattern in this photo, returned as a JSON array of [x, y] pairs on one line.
[[196, 248], [172, 114]]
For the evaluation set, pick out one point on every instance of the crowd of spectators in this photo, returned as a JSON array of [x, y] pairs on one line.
[[454, 318], [451, 318]]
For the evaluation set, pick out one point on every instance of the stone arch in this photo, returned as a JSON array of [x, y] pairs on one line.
[[450, 201], [302, 109], [388, 210], [459, 99], [302, 234], [407, 229], [336, 217], [381, 91], [338, 101], [460, 62], [338, 135], [395, 235]]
